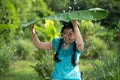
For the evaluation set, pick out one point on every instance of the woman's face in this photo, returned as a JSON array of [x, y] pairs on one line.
[[68, 35]]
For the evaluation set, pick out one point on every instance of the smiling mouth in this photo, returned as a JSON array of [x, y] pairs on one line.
[[67, 39]]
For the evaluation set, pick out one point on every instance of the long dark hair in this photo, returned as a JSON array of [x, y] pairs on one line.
[[56, 56]]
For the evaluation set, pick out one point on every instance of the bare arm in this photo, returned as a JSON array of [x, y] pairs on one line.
[[38, 43], [78, 36]]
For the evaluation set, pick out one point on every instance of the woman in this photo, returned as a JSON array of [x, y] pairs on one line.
[[68, 49]]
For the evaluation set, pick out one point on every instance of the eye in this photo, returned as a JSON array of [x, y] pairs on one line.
[[70, 34]]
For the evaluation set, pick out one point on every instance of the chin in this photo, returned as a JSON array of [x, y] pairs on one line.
[[68, 42]]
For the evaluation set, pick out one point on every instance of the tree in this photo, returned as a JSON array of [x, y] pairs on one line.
[[8, 24], [57, 5], [8, 20]]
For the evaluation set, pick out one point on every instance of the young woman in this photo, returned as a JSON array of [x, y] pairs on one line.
[[68, 49]]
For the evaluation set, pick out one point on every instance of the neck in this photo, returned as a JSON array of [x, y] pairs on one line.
[[66, 45]]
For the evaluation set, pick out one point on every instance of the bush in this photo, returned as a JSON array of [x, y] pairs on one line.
[[107, 69], [6, 54], [94, 48], [24, 49], [45, 65]]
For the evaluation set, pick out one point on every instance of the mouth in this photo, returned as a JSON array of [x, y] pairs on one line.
[[67, 40]]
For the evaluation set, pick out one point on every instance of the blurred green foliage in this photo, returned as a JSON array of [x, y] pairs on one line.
[[102, 37], [6, 57], [107, 69], [25, 49], [12, 14]]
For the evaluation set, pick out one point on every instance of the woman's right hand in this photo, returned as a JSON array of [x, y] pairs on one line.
[[32, 28]]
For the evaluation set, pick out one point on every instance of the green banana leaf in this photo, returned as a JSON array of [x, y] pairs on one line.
[[91, 14]]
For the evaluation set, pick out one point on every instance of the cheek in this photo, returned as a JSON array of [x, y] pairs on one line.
[[72, 37]]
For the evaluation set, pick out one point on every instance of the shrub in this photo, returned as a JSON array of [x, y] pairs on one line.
[[24, 49], [45, 64], [94, 47], [107, 69], [6, 54]]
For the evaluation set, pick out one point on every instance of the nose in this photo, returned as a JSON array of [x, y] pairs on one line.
[[66, 35]]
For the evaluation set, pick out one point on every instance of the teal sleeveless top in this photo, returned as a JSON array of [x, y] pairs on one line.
[[65, 70]]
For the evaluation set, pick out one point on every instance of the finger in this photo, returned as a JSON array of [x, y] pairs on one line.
[[73, 21], [31, 26]]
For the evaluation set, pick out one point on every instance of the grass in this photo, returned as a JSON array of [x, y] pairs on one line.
[[22, 70], [86, 65]]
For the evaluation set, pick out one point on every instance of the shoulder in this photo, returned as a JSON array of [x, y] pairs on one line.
[[55, 43], [56, 40]]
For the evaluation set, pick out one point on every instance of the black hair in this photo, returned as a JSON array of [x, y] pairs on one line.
[[56, 58], [57, 52], [66, 25], [73, 60]]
